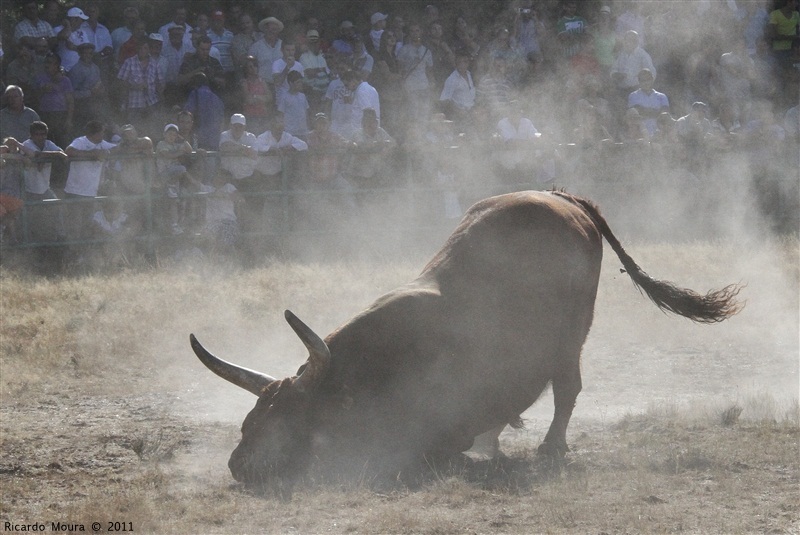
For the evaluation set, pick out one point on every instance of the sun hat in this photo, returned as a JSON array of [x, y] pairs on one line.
[[262, 26]]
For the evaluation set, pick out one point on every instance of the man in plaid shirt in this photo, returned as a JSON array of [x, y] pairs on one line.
[[141, 76], [31, 26]]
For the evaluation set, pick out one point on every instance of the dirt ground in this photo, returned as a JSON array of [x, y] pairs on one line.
[[679, 428]]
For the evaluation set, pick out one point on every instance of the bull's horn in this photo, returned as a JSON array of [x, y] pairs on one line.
[[252, 381], [319, 356]]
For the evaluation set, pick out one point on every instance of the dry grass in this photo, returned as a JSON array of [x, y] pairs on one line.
[[106, 415]]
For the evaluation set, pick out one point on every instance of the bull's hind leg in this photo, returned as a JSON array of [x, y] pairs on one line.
[[566, 387]]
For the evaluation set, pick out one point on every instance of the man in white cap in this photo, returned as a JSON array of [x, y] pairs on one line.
[[70, 36], [267, 50], [372, 42], [236, 149]]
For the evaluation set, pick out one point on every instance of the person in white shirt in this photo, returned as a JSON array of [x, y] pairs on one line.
[[88, 154], [364, 97], [46, 224], [267, 50], [458, 93], [518, 158], [339, 103], [237, 155]]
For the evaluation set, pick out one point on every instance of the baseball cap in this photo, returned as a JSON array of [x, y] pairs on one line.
[[77, 12], [377, 17], [238, 118], [156, 37], [605, 9], [312, 34], [218, 15], [346, 24], [171, 126]]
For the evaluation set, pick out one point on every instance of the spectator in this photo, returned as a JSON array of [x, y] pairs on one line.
[[88, 89], [156, 44], [363, 97], [387, 80], [178, 21], [268, 50], [51, 12], [782, 29], [237, 155], [633, 130], [23, 70], [416, 63], [31, 26], [56, 102], [243, 40], [372, 41], [273, 146], [339, 101], [98, 35], [443, 56], [521, 157], [141, 78], [174, 50], [605, 40], [281, 69], [732, 78], [501, 47], [755, 23], [294, 106], [130, 47], [15, 117], [648, 102], [494, 89], [362, 62], [88, 155], [11, 202], [47, 224], [343, 45], [208, 112], [326, 150], [631, 19], [464, 40], [69, 36], [202, 62], [373, 147], [458, 94], [398, 25], [630, 60], [133, 173], [170, 152], [571, 29], [222, 38], [257, 97], [527, 31], [316, 72], [119, 35]]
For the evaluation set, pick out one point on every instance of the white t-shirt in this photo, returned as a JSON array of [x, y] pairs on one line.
[[460, 90], [84, 176], [415, 60], [270, 163], [365, 96], [340, 110], [37, 176], [239, 166], [277, 67]]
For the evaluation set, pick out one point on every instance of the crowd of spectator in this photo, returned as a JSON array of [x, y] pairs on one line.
[[89, 110]]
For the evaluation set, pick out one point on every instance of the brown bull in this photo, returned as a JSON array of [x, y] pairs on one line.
[[501, 311]]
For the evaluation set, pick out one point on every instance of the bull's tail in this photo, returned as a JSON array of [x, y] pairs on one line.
[[712, 307]]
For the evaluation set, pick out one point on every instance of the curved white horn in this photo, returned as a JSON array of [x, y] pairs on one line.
[[252, 381], [319, 356]]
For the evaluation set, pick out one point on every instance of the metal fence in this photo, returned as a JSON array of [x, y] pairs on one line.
[[430, 185]]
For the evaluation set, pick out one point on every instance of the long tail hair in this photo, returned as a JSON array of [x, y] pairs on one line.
[[713, 307]]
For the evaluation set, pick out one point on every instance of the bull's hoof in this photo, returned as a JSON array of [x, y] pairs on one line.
[[550, 449]]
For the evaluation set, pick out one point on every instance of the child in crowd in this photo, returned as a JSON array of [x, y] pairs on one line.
[[294, 106], [169, 152]]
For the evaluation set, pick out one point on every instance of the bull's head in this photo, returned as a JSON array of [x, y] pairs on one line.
[[276, 437]]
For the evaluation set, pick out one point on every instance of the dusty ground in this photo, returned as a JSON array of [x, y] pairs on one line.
[[106, 416]]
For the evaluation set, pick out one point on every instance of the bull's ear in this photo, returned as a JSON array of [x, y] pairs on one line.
[[252, 381], [319, 356]]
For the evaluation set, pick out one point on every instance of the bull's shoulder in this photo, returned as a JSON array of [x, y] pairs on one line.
[[394, 333]]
